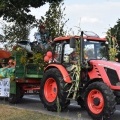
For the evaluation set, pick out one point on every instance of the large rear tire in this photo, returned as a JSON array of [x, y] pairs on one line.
[[100, 101], [53, 91]]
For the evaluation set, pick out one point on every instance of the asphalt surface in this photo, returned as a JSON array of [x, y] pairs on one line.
[[73, 112]]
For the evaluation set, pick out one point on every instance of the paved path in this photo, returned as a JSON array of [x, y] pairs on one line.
[[73, 112]]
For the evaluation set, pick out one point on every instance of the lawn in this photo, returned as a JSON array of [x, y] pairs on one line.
[[12, 113]]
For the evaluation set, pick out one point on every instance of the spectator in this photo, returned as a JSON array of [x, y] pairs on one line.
[[11, 62], [8, 70], [43, 38]]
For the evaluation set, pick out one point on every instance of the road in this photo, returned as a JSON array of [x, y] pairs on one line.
[[73, 112]]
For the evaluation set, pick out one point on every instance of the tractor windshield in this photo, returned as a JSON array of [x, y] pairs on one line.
[[95, 50]]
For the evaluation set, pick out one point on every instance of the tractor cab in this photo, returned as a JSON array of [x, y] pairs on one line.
[[79, 48]]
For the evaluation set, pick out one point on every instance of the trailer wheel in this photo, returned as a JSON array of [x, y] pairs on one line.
[[15, 98], [53, 91], [100, 101]]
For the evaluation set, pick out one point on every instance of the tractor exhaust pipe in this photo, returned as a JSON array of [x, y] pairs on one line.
[[81, 48]]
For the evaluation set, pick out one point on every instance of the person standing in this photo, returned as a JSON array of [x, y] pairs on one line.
[[43, 38]]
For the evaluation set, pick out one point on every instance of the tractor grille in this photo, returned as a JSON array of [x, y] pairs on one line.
[[112, 75]]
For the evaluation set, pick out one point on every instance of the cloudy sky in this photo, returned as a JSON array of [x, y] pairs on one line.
[[89, 15]]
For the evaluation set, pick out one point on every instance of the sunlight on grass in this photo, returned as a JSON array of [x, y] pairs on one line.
[[11, 113]]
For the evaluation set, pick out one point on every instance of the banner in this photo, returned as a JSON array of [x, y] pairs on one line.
[[4, 87]]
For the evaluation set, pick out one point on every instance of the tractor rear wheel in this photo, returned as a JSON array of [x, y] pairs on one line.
[[100, 101], [53, 91]]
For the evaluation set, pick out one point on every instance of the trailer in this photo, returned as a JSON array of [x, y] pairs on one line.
[[25, 79]]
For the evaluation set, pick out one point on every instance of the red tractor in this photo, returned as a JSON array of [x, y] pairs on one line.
[[93, 81]]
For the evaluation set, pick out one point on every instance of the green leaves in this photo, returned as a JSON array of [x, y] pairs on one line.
[[113, 36], [15, 32], [18, 10], [54, 19]]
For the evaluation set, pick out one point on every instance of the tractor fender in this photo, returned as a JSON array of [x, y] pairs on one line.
[[63, 71], [91, 81]]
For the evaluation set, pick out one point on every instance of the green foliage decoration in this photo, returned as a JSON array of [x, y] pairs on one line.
[[75, 73], [113, 46], [113, 37], [35, 58]]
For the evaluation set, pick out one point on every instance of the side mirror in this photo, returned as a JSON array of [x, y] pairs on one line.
[[72, 42]]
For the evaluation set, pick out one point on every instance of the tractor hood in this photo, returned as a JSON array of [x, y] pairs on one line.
[[108, 71], [107, 64]]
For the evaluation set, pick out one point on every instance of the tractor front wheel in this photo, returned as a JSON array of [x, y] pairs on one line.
[[100, 101], [53, 91]]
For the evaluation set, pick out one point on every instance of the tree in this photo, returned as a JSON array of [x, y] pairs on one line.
[[54, 19], [113, 36], [15, 32], [114, 32], [18, 10]]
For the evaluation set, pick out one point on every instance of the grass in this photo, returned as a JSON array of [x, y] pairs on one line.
[[12, 113]]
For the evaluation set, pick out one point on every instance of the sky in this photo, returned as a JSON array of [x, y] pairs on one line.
[[89, 15]]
